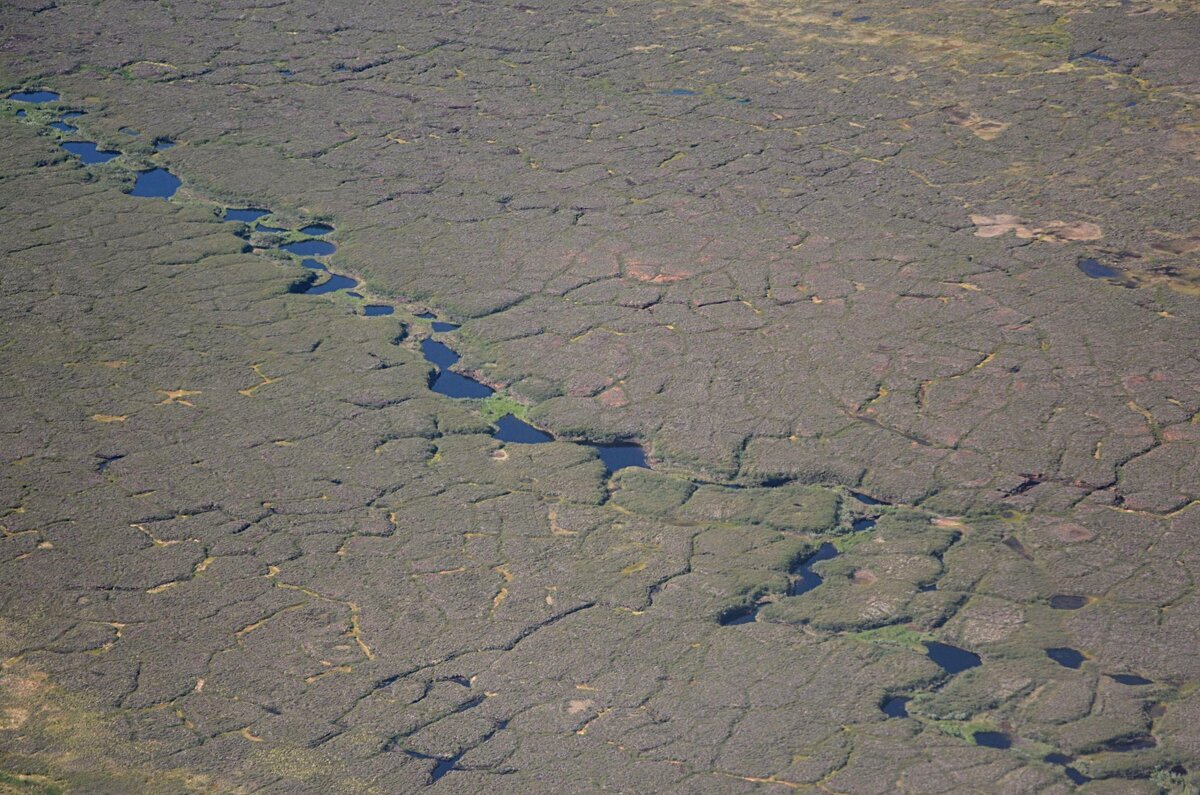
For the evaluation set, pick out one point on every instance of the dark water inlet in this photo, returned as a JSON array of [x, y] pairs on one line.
[[442, 327], [89, 152], [36, 97], [896, 707], [312, 264], [271, 230], [804, 578], [1130, 680], [157, 183], [511, 429], [62, 126], [951, 659], [316, 230], [867, 499], [378, 310], [163, 144]]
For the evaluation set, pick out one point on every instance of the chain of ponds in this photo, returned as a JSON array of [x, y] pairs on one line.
[[308, 243]]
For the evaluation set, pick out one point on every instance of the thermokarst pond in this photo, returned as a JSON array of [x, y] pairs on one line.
[[157, 183], [36, 97], [804, 579], [620, 455], [245, 214], [511, 429], [88, 152], [307, 248], [951, 659], [446, 382]]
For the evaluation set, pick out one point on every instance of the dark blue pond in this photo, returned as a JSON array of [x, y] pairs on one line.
[[316, 229], [1068, 658], [269, 229], [511, 429], [805, 579], [312, 264], [1095, 269], [442, 327], [438, 354], [157, 183], [1064, 601], [88, 152], [309, 248], [34, 96], [335, 282], [446, 382], [459, 386], [1130, 679], [993, 739], [163, 144], [245, 214], [427, 316], [21, 114], [1098, 58], [621, 455], [896, 707], [862, 524], [378, 310], [62, 126], [952, 659], [866, 499]]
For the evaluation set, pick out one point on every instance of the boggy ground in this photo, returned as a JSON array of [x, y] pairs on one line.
[[246, 548]]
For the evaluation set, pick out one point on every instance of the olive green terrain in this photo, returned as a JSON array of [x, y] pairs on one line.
[[804, 252]]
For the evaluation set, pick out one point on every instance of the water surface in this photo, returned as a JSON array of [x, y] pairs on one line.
[[1068, 658], [621, 455], [804, 578], [952, 659], [309, 248], [89, 152], [245, 214], [157, 183], [511, 429], [37, 97]]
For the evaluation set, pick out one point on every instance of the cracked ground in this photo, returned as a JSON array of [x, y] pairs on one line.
[[902, 300]]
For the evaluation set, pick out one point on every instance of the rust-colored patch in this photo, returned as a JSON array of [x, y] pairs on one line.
[[1072, 532], [614, 398], [578, 705], [984, 129], [180, 396], [647, 272], [1052, 231], [863, 577]]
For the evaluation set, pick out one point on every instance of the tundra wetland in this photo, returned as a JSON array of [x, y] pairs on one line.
[[542, 397]]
